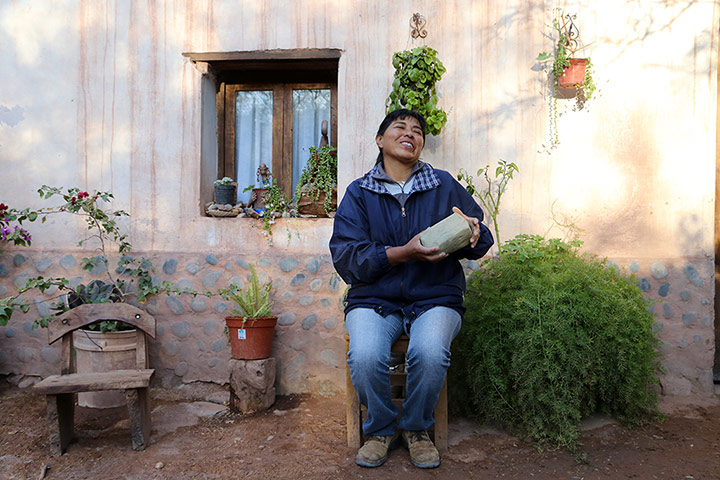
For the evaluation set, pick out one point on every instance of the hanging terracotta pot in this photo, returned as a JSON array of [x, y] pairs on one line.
[[251, 338], [574, 75]]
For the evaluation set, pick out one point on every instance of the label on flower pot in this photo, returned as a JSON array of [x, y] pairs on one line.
[[241, 334]]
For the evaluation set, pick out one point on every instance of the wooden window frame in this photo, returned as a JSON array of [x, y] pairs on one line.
[[218, 69], [282, 148]]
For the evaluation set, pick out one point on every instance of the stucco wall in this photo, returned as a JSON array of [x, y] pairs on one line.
[[98, 95]]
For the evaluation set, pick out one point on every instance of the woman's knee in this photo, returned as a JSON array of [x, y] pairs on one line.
[[368, 354], [429, 356]]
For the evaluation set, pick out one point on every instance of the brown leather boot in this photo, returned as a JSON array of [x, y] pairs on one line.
[[375, 450], [423, 453]]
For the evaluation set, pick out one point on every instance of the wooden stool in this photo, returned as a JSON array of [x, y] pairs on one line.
[[354, 411]]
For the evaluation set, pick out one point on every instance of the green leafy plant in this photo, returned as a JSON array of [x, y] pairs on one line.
[[416, 73], [130, 282], [276, 204], [96, 291], [224, 181], [253, 301], [550, 336], [319, 176], [490, 196]]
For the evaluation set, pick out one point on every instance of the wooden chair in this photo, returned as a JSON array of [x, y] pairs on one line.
[[61, 390], [354, 411]]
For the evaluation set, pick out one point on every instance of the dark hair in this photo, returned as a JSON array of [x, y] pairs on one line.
[[399, 115]]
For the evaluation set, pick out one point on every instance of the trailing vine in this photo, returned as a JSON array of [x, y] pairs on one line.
[[319, 176]]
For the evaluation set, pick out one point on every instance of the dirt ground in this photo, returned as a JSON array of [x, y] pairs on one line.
[[303, 436]]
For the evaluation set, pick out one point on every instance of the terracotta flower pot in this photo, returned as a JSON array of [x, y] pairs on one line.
[[307, 206], [252, 338], [259, 202], [574, 75]]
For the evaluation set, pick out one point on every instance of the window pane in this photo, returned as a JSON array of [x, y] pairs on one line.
[[253, 136], [310, 108]]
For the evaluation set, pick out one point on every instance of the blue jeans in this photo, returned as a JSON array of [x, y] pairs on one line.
[[428, 357]]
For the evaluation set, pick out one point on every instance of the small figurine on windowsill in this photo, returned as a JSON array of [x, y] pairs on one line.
[[263, 175], [264, 178]]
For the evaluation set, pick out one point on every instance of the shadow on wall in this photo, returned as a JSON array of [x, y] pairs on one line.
[[649, 23]]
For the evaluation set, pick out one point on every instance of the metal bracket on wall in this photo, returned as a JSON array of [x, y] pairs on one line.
[[417, 26]]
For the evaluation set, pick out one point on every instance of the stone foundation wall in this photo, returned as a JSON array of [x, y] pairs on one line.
[[191, 344], [682, 293]]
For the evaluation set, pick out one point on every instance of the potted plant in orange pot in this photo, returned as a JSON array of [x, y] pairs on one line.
[[251, 326]]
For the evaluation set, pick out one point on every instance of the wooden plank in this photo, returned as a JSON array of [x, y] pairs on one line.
[[285, 166], [334, 113], [68, 359], [90, 313], [94, 382], [229, 167], [441, 419], [398, 379], [265, 55], [401, 344], [141, 350], [138, 403]]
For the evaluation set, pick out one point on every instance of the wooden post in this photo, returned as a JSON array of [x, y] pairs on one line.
[[441, 419], [60, 416], [138, 402]]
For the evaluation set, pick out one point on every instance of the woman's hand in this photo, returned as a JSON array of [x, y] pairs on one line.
[[414, 250], [474, 224]]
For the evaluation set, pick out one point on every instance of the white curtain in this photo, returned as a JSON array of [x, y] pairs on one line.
[[310, 108], [253, 137]]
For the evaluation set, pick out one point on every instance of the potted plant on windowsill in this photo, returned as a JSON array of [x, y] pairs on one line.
[[316, 191], [251, 325], [225, 191]]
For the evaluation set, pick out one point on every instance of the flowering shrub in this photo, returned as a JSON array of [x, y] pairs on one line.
[[14, 234], [131, 280]]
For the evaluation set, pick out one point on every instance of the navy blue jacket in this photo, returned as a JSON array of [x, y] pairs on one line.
[[369, 219]]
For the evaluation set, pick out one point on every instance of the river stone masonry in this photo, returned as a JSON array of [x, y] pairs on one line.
[[191, 344], [308, 346]]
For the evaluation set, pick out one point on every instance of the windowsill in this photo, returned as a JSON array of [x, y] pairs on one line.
[[294, 235]]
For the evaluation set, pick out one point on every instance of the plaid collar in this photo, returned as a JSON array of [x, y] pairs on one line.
[[425, 179]]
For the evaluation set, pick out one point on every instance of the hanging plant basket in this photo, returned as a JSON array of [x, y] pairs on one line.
[[574, 75]]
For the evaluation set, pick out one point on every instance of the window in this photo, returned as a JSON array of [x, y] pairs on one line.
[[270, 108]]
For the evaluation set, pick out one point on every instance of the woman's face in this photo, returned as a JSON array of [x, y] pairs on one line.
[[402, 141]]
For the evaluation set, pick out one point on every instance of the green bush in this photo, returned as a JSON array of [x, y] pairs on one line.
[[551, 336]]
